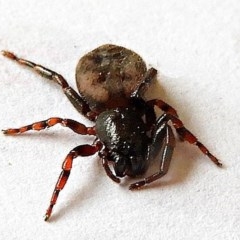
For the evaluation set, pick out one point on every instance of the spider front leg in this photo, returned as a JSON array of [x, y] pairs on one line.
[[78, 102], [73, 125], [183, 133], [163, 143], [82, 150]]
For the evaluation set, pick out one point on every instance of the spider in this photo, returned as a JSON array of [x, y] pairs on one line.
[[112, 81]]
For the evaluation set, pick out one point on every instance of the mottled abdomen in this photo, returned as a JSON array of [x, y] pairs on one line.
[[108, 75]]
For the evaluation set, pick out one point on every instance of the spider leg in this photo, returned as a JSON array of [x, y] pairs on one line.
[[108, 171], [164, 140], [105, 163], [73, 125], [76, 99], [163, 106], [82, 150], [147, 79], [186, 135]]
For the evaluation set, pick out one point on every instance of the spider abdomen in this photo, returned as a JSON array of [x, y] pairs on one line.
[[108, 75]]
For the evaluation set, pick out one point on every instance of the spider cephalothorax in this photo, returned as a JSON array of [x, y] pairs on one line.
[[112, 81]]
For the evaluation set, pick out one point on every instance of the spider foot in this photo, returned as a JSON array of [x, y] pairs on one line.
[[11, 131], [46, 217], [219, 164], [8, 55], [48, 214], [4, 131]]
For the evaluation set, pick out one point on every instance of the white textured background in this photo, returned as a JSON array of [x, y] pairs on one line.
[[195, 45]]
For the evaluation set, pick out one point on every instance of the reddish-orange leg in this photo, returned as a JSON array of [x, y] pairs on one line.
[[163, 106], [183, 133], [76, 99], [82, 150], [186, 135], [74, 125]]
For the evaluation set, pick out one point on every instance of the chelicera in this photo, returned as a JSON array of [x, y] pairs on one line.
[[112, 81]]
